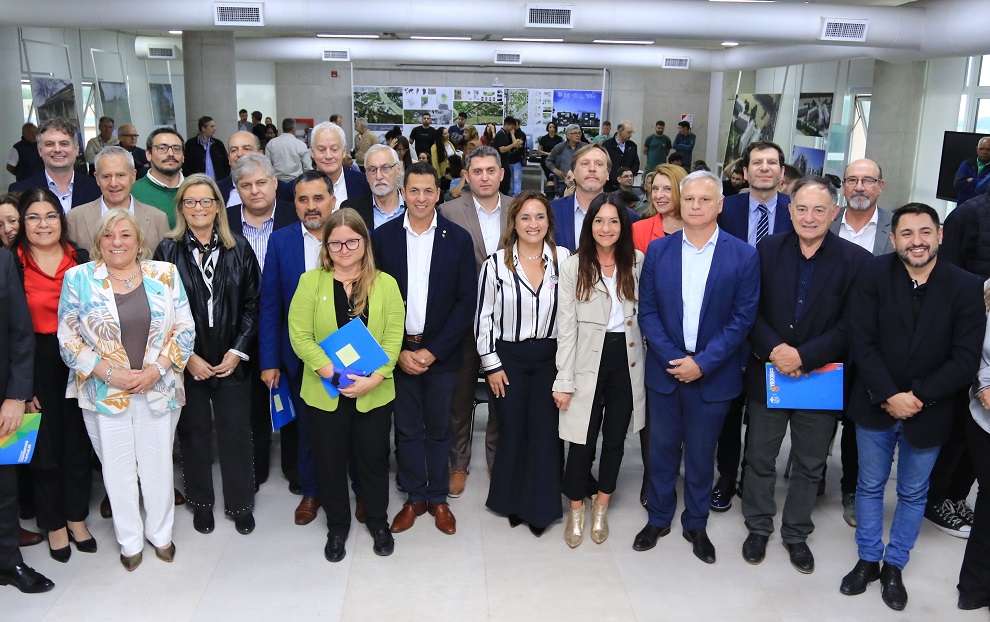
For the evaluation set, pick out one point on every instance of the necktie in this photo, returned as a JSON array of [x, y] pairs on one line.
[[763, 226]]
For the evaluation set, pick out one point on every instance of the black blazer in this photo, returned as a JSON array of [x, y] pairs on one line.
[[628, 158], [821, 336], [196, 159], [363, 206], [84, 188], [236, 291], [356, 184], [16, 334], [937, 358], [284, 192], [453, 284], [285, 214]]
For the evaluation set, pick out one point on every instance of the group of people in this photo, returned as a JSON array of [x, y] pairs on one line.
[[177, 310]]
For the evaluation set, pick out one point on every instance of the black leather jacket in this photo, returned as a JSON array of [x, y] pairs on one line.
[[236, 290]]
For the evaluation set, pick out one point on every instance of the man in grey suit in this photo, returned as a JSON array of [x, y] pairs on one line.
[[481, 212], [865, 224], [115, 175]]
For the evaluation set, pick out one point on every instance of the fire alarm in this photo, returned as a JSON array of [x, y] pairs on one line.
[[333, 73]]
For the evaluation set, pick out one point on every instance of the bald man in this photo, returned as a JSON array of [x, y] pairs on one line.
[[127, 137], [973, 176], [240, 144]]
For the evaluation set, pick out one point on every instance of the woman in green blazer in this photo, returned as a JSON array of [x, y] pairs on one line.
[[348, 286]]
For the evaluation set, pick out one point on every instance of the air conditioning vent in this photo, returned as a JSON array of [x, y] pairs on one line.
[[676, 62], [162, 53], [508, 58], [844, 30], [337, 55], [239, 14], [549, 16]]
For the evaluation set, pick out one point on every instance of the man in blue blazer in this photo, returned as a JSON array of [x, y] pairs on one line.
[[58, 148], [699, 293], [591, 166], [328, 144], [292, 250], [749, 216], [432, 259]]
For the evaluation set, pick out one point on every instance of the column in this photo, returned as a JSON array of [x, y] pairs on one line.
[[11, 109], [210, 81]]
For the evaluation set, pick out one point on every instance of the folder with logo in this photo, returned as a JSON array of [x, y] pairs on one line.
[[821, 389], [18, 447], [352, 350], [280, 405]]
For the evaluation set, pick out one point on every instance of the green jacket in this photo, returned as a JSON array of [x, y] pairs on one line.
[[312, 318]]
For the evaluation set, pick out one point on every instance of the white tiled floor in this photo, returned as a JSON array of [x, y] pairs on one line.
[[485, 572]]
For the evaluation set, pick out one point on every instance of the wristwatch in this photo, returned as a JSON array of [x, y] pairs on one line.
[[161, 370]]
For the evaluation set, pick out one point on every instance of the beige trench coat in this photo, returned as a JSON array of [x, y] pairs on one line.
[[580, 337]]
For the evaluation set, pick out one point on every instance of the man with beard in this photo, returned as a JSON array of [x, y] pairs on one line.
[[158, 187], [916, 328], [383, 169], [591, 165]]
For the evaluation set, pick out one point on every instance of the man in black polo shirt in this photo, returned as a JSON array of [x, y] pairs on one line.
[[511, 144], [423, 136]]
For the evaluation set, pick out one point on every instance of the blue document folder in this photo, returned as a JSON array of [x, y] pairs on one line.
[[280, 405], [18, 447], [352, 350], [821, 389]]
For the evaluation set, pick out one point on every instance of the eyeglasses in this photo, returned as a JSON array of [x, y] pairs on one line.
[[868, 182], [351, 245], [385, 169], [207, 203], [35, 219], [163, 149]]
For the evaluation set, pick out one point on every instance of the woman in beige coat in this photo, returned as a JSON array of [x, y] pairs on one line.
[[599, 384]]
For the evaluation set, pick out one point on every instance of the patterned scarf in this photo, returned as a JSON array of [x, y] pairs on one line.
[[206, 257]]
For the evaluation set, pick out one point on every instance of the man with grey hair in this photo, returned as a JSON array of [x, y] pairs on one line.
[[364, 139], [58, 148], [115, 176], [384, 171], [973, 176], [288, 154], [328, 144], [696, 346], [559, 160]]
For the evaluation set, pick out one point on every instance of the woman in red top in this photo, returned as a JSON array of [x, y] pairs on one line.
[[663, 216], [61, 463]]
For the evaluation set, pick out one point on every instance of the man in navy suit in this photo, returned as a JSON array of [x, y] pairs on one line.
[[59, 148], [590, 165], [699, 293], [328, 144], [292, 250], [433, 261], [749, 216]]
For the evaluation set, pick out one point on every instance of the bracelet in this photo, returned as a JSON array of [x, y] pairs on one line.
[[108, 374], [161, 370]]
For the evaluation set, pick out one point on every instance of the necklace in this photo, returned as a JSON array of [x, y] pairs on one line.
[[127, 281]]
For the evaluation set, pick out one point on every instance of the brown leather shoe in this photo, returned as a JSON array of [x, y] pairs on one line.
[[28, 538], [360, 511], [457, 481], [407, 516], [180, 499], [306, 511], [443, 518]]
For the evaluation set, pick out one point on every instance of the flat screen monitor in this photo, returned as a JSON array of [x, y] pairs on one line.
[[956, 148]]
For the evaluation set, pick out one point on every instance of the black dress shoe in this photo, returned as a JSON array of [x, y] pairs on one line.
[[647, 537], [862, 574], [969, 603], [801, 557], [754, 548], [384, 542], [334, 550], [514, 520], [537, 531], [892, 588], [701, 546], [203, 520], [295, 488], [60, 555], [244, 522], [26, 579], [84, 546]]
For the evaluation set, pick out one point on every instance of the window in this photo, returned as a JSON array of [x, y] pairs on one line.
[[89, 112], [985, 70], [861, 126], [27, 103], [983, 116]]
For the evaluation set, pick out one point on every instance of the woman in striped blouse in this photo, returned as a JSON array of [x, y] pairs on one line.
[[516, 332]]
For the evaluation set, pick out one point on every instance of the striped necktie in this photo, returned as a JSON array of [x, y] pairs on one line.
[[763, 226]]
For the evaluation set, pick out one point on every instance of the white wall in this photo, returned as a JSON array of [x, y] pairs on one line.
[[256, 89], [944, 80]]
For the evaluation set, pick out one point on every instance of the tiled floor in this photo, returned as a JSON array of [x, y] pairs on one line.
[[485, 572]]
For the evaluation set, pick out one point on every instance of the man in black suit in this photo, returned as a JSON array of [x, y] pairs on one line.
[[205, 153], [328, 145], [805, 278], [432, 259], [916, 329], [58, 147], [622, 151], [16, 387]]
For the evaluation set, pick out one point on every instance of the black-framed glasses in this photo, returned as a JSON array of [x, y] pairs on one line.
[[207, 203], [351, 245], [852, 182], [163, 149]]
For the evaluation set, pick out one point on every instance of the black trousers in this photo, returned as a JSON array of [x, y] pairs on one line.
[[61, 466], [10, 554], [261, 422], [974, 577], [526, 474], [463, 412], [422, 431], [338, 435], [610, 413], [850, 457], [730, 443], [230, 401], [953, 475]]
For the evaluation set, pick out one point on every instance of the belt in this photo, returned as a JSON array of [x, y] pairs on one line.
[[413, 338]]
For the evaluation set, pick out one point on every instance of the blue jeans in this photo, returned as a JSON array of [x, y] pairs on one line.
[[914, 467], [517, 174]]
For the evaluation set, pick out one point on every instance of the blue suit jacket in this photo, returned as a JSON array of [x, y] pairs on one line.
[[563, 222], [734, 218], [452, 289], [356, 184], [285, 262], [84, 189], [728, 311]]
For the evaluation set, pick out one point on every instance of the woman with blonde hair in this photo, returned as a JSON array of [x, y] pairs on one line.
[[352, 428], [663, 216], [126, 331], [222, 279]]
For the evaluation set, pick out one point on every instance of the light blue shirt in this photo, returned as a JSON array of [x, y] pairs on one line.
[[579, 213], [381, 217], [64, 198], [695, 265], [754, 217]]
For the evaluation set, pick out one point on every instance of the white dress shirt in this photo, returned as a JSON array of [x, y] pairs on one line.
[[695, 265], [311, 248], [339, 190], [491, 225], [615, 316], [419, 253], [579, 213], [234, 198], [866, 237]]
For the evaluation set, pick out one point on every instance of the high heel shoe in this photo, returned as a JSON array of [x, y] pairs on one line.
[[599, 523], [60, 555], [84, 546], [574, 527]]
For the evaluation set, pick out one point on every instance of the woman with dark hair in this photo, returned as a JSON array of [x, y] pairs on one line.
[[547, 142], [599, 385], [488, 137], [60, 467], [10, 219], [440, 152], [401, 146], [516, 331]]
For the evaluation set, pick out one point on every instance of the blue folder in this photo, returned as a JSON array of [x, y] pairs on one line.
[[821, 389], [352, 350], [280, 405], [18, 447]]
